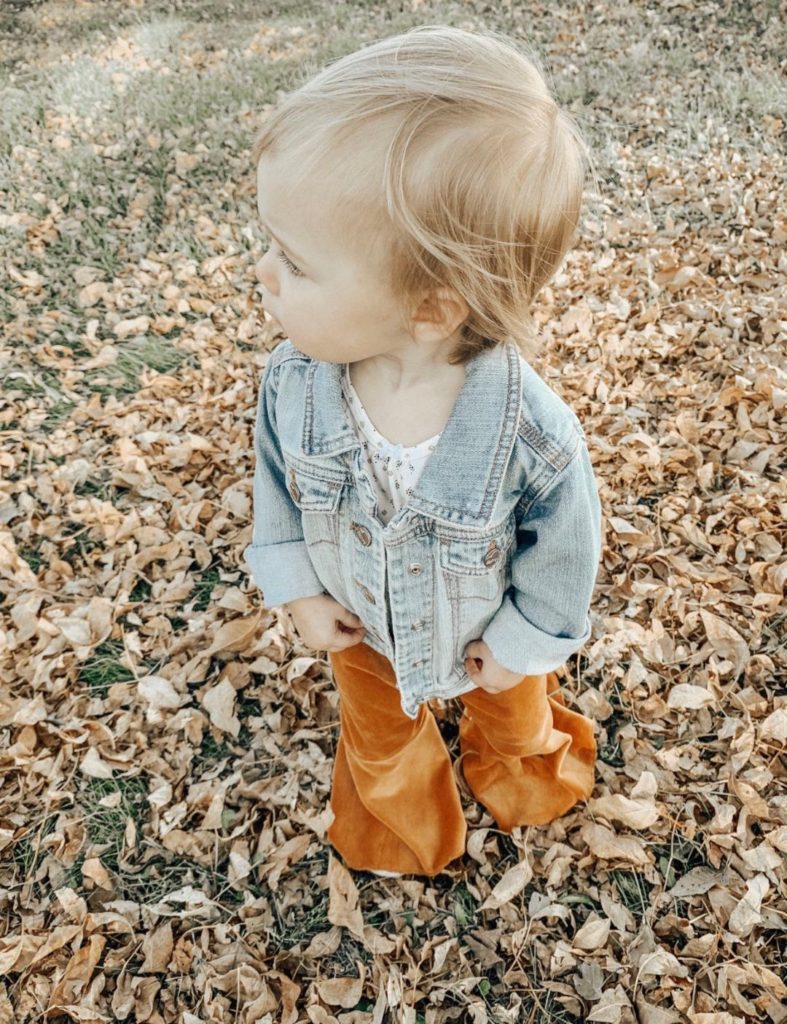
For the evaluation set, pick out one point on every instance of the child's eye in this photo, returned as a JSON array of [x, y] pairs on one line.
[[289, 264]]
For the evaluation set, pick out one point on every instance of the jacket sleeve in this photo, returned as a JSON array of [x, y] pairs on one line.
[[278, 556], [544, 614]]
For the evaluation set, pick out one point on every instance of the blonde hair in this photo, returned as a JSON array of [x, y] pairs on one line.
[[447, 147]]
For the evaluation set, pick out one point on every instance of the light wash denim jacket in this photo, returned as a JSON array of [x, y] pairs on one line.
[[499, 541]]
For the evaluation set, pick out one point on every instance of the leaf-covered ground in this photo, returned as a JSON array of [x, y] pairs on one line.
[[167, 742]]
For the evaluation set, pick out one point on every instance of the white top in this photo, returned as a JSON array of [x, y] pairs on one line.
[[393, 468]]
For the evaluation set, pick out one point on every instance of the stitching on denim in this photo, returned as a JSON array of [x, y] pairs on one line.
[[555, 454], [315, 471], [548, 485], [513, 398], [307, 440], [454, 599]]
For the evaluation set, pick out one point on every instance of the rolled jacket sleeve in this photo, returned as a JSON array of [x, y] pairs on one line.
[[278, 556], [544, 614]]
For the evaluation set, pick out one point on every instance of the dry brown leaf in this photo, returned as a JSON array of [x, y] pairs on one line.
[[136, 325], [219, 702], [157, 947], [637, 811], [343, 906], [726, 641], [606, 845], [344, 992], [235, 635], [748, 912], [509, 886], [593, 934], [686, 695]]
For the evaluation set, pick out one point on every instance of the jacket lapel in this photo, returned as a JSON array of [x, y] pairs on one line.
[[461, 479]]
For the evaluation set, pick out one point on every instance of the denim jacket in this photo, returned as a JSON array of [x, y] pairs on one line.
[[500, 539]]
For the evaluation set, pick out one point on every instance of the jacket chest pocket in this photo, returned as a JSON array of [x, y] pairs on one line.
[[316, 489], [479, 562], [475, 570], [313, 488]]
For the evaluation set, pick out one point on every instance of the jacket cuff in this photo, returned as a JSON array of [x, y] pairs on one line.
[[520, 646], [283, 572]]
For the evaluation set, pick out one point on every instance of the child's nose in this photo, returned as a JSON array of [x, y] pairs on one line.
[[264, 274]]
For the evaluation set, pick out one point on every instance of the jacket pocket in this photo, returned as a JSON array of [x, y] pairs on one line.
[[316, 488], [481, 557], [475, 572]]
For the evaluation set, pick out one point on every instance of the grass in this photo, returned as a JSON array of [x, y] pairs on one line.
[[103, 669]]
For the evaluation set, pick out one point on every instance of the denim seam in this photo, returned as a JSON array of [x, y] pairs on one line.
[[548, 485], [552, 452], [513, 409]]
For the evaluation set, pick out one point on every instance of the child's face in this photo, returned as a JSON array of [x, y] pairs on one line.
[[324, 289]]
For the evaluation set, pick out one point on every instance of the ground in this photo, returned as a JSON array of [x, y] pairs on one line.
[[167, 741]]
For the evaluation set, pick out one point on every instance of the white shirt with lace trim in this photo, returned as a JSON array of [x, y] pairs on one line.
[[393, 468]]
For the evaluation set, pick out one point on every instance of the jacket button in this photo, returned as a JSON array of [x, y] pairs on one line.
[[413, 568], [295, 491], [362, 534], [492, 554]]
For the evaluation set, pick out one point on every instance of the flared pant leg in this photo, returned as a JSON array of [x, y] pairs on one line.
[[524, 755], [394, 798]]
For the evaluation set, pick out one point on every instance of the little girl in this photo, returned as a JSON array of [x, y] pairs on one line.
[[424, 503]]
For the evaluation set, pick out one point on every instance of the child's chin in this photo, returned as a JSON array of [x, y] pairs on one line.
[[304, 349]]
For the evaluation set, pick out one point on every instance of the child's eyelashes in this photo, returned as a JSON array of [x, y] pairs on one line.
[[295, 271], [289, 264]]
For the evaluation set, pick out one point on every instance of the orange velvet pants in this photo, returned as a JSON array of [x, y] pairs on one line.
[[525, 756]]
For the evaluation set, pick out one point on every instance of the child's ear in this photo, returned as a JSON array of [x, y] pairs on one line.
[[440, 313]]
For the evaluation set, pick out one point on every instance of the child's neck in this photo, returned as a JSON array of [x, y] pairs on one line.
[[405, 406], [415, 369]]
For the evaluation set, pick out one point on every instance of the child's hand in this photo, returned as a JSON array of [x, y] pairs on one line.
[[490, 676], [325, 625]]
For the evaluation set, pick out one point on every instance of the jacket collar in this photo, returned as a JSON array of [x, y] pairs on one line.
[[461, 479]]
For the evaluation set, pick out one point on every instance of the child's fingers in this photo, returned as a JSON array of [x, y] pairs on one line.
[[343, 630], [349, 639], [349, 619]]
